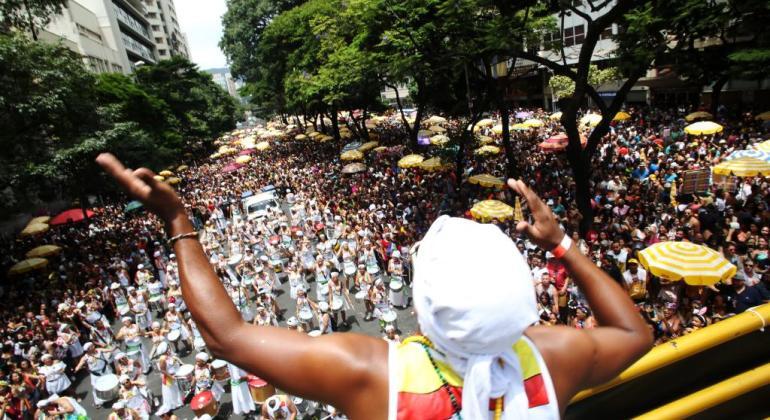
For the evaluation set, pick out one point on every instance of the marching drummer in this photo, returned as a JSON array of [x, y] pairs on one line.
[[296, 280], [339, 301], [240, 297], [279, 407], [243, 403], [391, 336], [135, 394], [131, 336], [168, 363], [53, 372], [305, 309], [121, 412], [325, 321], [166, 413], [138, 302], [98, 365], [175, 322], [143, 275], [294, 325], [156, 299], [56, 407], [101, 334], [264, 317], [203, 379], [395, 266]]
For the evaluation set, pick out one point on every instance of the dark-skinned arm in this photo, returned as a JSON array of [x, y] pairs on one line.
[[348, 371]]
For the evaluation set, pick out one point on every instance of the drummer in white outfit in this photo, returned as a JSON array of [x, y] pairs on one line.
[[54, 374], [339, 301], [240, 297], [169, 388], [156, 299], [239, 388], [131, 336], [175, 321], [139, 306], [296, 282], [325, 320], [203, 378], [305, 310], [98, 365], [64, 406], [321, 279]]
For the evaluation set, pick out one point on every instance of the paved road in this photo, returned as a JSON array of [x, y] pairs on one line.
[[406, 324]]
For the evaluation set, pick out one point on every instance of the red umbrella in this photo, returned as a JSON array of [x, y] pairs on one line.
[[245, 152], [558, 142], [232, 167], [70, 216]]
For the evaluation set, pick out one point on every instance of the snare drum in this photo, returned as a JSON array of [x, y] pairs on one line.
[[220, 372], [336, 303], [260, 390], [107, 387], [234, 260], [199, 344], [397, 297], [156, 304], [173, 336], [361, 294], [350, 268], [204, 403], [314, 333], [184, 378], [306, 314], [124, 310], [388, 317]]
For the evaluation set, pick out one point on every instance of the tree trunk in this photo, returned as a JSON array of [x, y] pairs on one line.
[[284, 120], [415, 129], [323, 124], [510, 165], [716, 94], [335, 125]]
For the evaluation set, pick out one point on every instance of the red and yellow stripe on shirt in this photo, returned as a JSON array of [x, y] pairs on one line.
[[421, 396]]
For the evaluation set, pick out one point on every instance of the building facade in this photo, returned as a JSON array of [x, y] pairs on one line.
[[223, 78], [118, 35]]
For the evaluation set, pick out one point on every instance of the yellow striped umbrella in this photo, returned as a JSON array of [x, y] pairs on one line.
[[380, 149], [39, 219], [621, 116], [590, 120], [324, 138], [165, 173], [159, 178], [555, 116], [433, 164], [216, 155], [697, 265], [435, 120], [173, 180], [521, 127], [765, 116], [182, 168], [28, 265], [703, 128], [437, 129], [486, 122], [487, 150], [369, 145], [762, 147], [498, 129], [352, 168], [484, 140], [43, 251], [533, 122], [439, 140], [489, 210], [700, 115], [300, 137], [243, 159], [262, 146], [352, 155], [410, 161], [743, 166], [487, 180]]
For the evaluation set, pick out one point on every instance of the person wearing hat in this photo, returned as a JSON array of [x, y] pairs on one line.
[[203, 379], [135, 394], [131, 335], [391, 335], [121, 412], [166, 413], [243, 403], [482, 335], [325, 320], [98, 365], [635, 279], [279, 407], [60, 407], [54, 374], [168, 364], [174, 320]]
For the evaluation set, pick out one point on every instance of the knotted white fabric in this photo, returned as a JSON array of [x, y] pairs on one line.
[[474, 298]]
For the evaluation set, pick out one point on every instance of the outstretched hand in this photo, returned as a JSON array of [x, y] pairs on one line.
[[158, 197], [545, 231]]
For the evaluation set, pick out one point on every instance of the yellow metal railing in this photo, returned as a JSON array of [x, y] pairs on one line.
[[688, 345]]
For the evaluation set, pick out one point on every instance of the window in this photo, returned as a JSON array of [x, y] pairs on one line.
[[551, 41], [606, 34], [156, 28], [162, 52], [159, 40], [574, 35]]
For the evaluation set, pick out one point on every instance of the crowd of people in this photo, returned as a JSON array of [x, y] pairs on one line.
[[110, 302]]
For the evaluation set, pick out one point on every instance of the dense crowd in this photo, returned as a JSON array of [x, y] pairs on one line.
[[110, 302]]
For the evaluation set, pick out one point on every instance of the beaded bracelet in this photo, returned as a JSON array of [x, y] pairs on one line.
[[173, 239]]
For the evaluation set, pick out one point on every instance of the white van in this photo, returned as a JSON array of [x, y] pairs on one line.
[[256, 206]]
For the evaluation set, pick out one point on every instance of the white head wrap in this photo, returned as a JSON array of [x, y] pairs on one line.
[[474, 303]]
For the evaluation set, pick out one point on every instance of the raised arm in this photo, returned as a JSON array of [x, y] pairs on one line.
[[583, 358], [345, 370]]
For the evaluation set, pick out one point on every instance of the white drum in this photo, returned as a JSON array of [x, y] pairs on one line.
[[350, 268], [155, 303], [388, 317], [199, 344], [107, 387], [306, 314], [184, 378], [314, 333], [173, 336], [361, 294], [396, 294], [234, 260], [124, 310], [336, 303]]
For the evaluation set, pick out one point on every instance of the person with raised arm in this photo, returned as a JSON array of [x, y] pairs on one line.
[[478, 355]]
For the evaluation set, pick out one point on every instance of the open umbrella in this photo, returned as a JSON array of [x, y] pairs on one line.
[[159, 178], [743, 166], [701, 128], [181, 168], [555, 116], [262, 146], [354, 145], [487, 180], [487, 150], [621, 116], [133, 205], [165, 173], [433, 164], [380, 149], [762, 147], [485, 122], [522, 114], [30, 264], [590, 120], [533, 122], [439, 140], [39, 219], [437, 129], [43, 251], [765, 116], [488, 210], [300, 137], [70, 216], [324, 138], [369, 145], [435, 120], [352, 168], [485, 140], [520, 127], [697, 265], [410, 161], [700, 115], [243, 159], [34, 229], [352, 155], [232, 167], [498, 129], [173, 180]]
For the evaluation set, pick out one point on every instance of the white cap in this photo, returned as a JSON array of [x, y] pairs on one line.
[[119, 405], [172, 305], [172, 256], [115, 286], [125, 318], [155, 324], [140, 267], [202, 356], [263, 258], [292, 322], [124, 378], [43, 403], [88, 346], [396, 254], [162, 347], [323, 306]]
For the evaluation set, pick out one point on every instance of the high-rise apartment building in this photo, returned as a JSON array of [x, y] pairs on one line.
[[167, 35]]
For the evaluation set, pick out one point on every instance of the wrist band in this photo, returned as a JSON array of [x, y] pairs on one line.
[[560, 250], [173, 239]]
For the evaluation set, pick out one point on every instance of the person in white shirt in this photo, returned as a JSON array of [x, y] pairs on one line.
[[635, 279]]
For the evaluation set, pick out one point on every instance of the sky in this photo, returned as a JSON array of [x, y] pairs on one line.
[[201, 21]]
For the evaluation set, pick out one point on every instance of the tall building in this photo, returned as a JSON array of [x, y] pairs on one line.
[[118, 35], [167, 35], [223, 78]]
